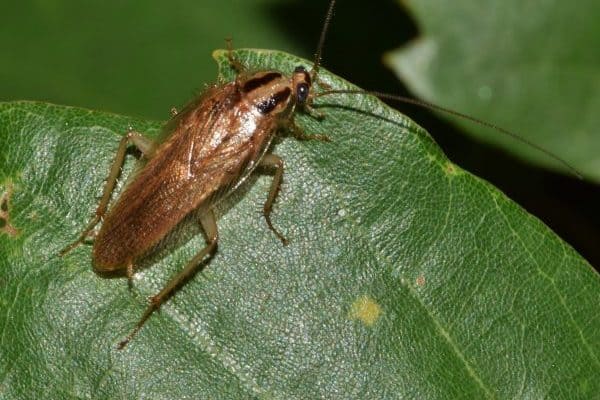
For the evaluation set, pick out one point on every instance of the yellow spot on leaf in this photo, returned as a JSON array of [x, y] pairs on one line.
[[366, 310]]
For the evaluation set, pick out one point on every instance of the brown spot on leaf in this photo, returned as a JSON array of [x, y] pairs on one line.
[[420, 281], [5, 225], [450, 168]]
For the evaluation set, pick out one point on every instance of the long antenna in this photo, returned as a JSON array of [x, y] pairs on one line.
[[431, 106], [319, 52]]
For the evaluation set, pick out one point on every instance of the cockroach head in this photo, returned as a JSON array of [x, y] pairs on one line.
[[302, 82]]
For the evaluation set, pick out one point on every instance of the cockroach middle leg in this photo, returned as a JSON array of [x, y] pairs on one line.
[[129, 273], [273, 161], [146, 146], [209, 224]]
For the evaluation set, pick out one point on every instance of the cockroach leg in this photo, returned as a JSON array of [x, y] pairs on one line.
[[235, 63], [146, 146], [129, 273], [209, 224], [299, 134], [324, 85], [174, 112], [273, 161], [312, 111]]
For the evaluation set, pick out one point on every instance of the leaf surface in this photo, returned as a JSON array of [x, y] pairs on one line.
[[405, 276]]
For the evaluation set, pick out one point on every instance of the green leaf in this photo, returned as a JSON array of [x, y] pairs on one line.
[[529, 67], [405, 275]]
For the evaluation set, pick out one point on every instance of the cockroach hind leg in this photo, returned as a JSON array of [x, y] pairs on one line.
[[146, 146], [276, 162], [209, 224], [88, 234]]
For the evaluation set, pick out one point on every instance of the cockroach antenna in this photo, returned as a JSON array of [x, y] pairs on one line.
[[319, 52], [425, 104], [435, 107]]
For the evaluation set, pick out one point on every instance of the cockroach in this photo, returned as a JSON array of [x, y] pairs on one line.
[[210, 149]]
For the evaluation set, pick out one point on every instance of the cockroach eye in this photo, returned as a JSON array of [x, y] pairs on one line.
[[301, 92], [299, 68]]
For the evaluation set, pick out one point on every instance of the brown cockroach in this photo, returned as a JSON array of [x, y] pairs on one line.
[[210, 149]]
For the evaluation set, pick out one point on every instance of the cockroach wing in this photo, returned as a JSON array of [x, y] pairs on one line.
[[213, 144]]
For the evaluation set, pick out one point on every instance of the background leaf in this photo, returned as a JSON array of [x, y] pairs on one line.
[[528, 66], [405, 277]]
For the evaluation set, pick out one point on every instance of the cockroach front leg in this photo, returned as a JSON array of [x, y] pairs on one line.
[[273, 161], [299, 134], [235, 63], [313, 112], [146, 146], [209, 224]]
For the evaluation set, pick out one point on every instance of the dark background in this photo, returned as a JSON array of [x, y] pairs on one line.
[[142, 58]]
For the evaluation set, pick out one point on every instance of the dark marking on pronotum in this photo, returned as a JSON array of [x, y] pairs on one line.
[[269, 105], [306, 75], [258, 82]]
